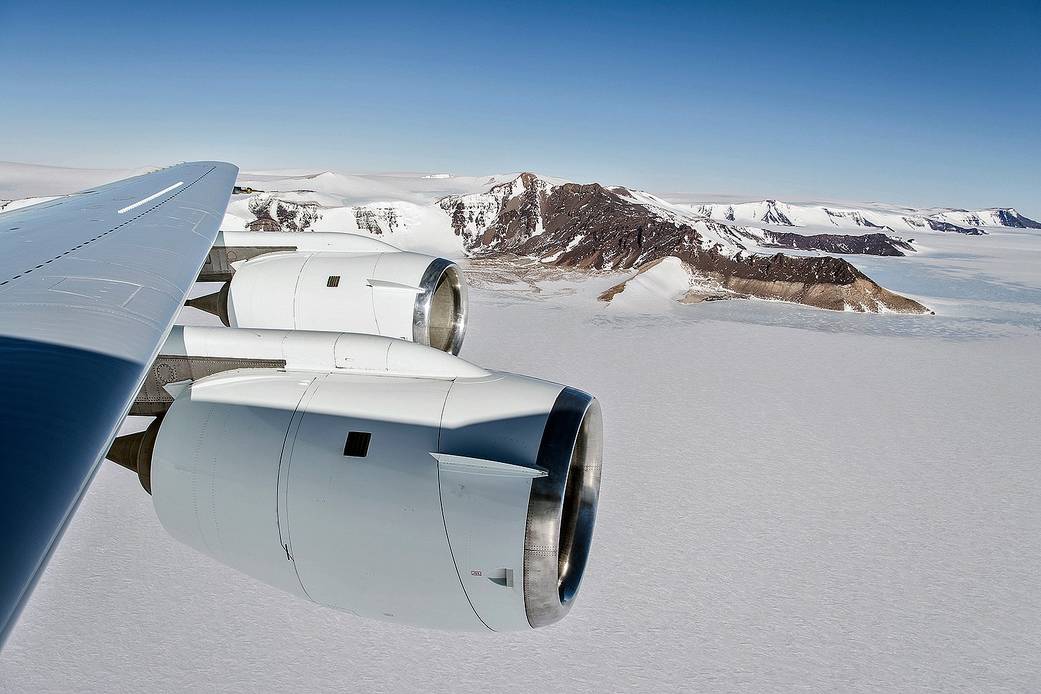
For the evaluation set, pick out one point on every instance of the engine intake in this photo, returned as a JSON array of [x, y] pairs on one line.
[[562, 508], [439, 317]]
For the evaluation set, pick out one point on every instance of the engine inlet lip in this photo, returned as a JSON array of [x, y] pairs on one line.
[[440, 268], [562, 507]]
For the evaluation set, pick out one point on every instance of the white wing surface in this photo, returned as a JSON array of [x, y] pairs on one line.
[[90, 285]]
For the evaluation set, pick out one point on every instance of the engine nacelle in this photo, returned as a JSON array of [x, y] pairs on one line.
[[464, 500], [398, 294]]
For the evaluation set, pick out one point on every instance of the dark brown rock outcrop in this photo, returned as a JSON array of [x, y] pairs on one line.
[[864, 244], [589, 226]]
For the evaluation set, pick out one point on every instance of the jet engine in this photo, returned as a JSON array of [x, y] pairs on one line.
[[376, 291], [384, 478]]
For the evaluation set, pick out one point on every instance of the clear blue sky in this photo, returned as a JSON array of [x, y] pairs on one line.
[[923, 103]]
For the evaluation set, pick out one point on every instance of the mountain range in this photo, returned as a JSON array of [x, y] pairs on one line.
[[893, 219], [732, 247]]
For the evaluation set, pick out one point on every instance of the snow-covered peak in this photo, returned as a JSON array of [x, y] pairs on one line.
[[823, 216], [991, 216], [524, 185], [518, 203]]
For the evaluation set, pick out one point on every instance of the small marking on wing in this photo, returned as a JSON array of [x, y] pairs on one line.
[[118, 226], [150, 198]]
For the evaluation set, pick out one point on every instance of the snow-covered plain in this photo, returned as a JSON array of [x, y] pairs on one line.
[[793, 499]]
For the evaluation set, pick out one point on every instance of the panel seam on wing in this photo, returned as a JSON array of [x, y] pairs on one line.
[[106, 233]]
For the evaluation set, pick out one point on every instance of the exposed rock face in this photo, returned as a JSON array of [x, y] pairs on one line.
[[854, 216], [867, 244], [589, 226], [1011, 218], [991, 216], [289, 216], [507, 214], [765, 212], [939, 225], [274, 213], [774, 215], [859, 295], [377, 220], [836, 287]]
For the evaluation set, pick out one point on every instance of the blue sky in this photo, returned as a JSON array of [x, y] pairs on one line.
[[917, 103]]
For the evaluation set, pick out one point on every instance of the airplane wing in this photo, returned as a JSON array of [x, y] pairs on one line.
[[90, 286]]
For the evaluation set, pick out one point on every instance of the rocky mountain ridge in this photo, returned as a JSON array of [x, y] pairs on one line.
[[593, 227]]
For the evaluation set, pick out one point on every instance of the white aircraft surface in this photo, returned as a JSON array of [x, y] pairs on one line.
[[327, 441]]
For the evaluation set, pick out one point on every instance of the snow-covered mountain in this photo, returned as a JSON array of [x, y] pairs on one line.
[[513, 212], [593, 227], [588, 226], [1007, 217], [894, 219], [398, 208]]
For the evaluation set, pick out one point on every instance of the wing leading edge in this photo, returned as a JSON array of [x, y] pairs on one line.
[[90, 285]]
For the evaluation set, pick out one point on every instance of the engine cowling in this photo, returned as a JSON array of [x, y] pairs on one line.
[[410, 296], [461, 501]]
